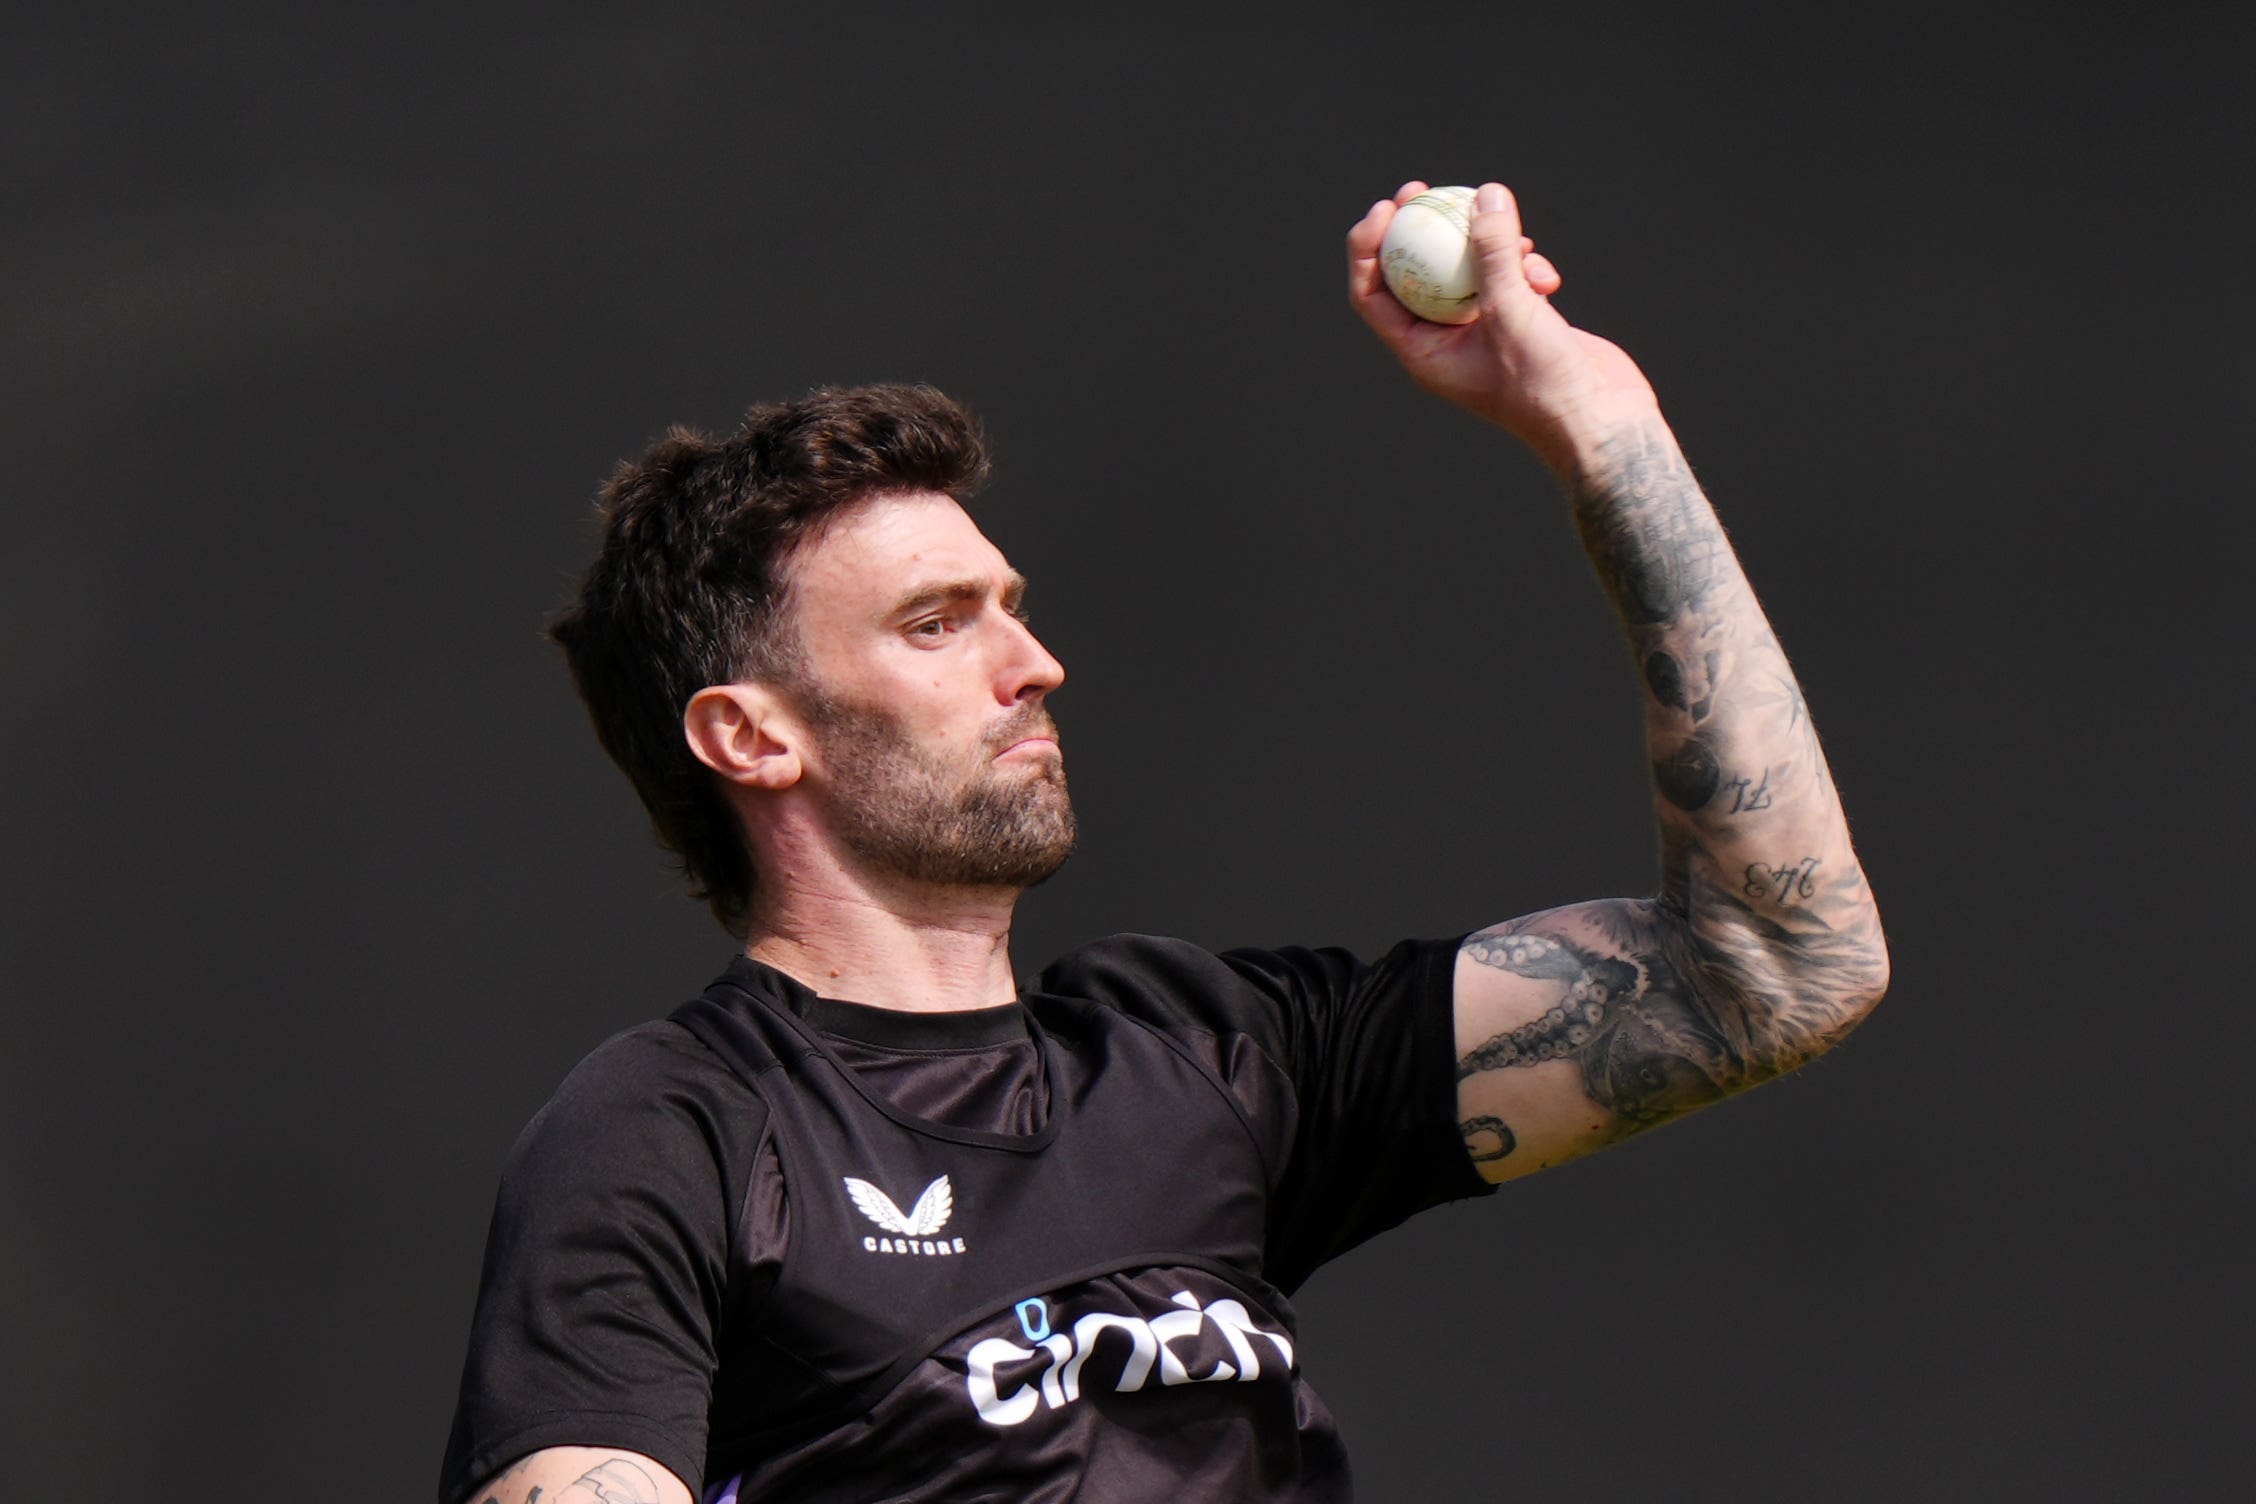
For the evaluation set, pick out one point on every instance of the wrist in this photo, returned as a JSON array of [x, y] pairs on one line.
[[1586, 442]]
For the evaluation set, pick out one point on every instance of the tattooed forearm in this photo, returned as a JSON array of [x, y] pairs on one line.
[[1728, 730], [1657, 548], [1689, 776], [1748, 795], [1671, 686], [1782, 884]]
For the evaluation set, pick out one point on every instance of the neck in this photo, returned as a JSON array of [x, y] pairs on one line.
[[914, 948]]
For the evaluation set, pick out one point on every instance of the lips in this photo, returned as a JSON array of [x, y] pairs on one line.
[[1034, 731]]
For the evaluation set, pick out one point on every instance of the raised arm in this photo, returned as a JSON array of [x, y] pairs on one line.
[[1579, 1026]]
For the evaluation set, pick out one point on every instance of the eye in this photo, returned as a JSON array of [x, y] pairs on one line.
[[933, 627]]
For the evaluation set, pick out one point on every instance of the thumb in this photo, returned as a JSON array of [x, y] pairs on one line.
[[1496, 241]]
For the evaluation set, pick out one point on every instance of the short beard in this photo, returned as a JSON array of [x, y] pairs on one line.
[[906, 816]]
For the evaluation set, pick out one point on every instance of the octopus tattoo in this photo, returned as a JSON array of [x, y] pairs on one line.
[[1644, 1046], [1487, 1139]]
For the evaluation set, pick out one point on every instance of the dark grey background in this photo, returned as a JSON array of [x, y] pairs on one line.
[[319, 335]]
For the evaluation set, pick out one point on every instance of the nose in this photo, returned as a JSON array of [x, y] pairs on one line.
[[1029, 670]]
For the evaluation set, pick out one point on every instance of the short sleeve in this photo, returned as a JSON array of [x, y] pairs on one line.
[[1371, 1050], [1355, 1084], [602, 1287]]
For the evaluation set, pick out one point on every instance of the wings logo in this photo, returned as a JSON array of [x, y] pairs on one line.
[[911, 1233]]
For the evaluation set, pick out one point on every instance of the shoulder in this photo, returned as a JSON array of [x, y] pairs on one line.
[[607, 1261], [653, 1070], [1164, 981], [650, 1103], [1268, 992]]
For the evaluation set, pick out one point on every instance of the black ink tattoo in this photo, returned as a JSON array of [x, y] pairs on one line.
[[1657, 550], [1713, 663], [1487, 1139], [618, 1482], [1782, 884], [1747, 796], [1628, 1024], [1664, 676], [1689, 777], [1778, 691], [1738, 971], [534, 1496], [1672, 685]]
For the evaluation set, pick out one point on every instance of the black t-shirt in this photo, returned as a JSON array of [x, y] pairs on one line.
[[644, 1215]]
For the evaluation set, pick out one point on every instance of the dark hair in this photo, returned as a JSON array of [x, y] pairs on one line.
[[689, 588]]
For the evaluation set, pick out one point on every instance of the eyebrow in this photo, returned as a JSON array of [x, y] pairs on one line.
[[941, 592]]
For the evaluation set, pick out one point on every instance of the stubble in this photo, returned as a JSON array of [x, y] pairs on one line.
[[905, 812]]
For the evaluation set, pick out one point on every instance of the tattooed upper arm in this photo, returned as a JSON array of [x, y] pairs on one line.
[[1581, 1026], [1576, 1028], [584, 1475]]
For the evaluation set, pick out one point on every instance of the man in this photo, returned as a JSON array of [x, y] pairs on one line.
[[866, 1221]]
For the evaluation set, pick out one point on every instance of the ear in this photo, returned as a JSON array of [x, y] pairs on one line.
[[744, 734]]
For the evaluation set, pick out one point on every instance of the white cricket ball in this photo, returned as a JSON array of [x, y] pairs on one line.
[[1427, 257]]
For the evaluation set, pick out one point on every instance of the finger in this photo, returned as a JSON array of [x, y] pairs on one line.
[[1409, 191], [1541, 274], [1367, 292], [1363, 242], [1497, 241], [1364, 239]]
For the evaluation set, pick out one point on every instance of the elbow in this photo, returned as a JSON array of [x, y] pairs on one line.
[[1778, 990], [1845, 992], [1850, 1009], [1872, 969], [1878, 979], [1801, 999]]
